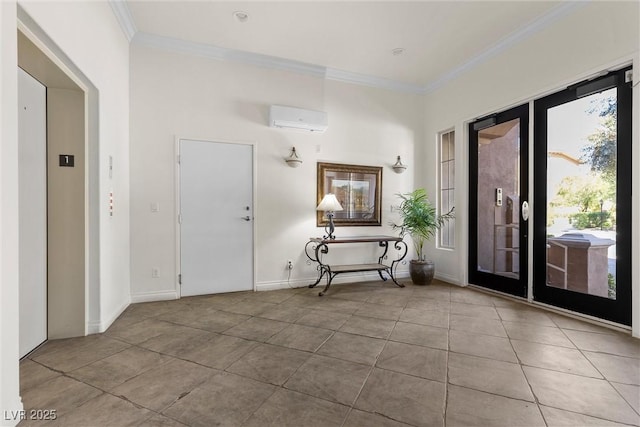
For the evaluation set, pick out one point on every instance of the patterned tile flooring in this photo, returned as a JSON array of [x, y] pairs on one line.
[[367, 354]]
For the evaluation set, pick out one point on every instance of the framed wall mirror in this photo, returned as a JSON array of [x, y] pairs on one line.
[[358, 190]]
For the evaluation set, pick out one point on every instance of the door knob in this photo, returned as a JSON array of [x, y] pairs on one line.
[[525, 210], [246, 218]]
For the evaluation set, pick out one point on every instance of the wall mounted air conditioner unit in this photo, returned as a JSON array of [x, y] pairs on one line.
[[297, 118]]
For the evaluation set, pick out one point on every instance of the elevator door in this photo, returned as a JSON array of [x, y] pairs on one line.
[[32, 208]]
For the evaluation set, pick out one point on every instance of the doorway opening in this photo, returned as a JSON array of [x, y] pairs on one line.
[[59, 288]]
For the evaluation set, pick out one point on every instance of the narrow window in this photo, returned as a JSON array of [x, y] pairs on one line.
[[447, 186]]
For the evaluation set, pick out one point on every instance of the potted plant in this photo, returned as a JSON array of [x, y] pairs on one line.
[[420, 221]]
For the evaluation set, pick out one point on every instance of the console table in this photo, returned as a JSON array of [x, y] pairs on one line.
[[316, 247]]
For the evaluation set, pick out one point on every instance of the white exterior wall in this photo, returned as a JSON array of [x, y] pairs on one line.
[[594, 37], [182, 96]]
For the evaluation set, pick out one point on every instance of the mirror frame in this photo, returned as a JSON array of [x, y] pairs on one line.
[[365, 210]]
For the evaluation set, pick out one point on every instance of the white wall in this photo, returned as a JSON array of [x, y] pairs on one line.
[[175, 95], [89, 36], [9, 386], [595, 36]]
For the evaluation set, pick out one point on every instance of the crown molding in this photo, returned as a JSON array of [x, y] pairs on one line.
[[266, 61], [178, 46], [515, 37], [224, 54], [372, 81], [124, 17]]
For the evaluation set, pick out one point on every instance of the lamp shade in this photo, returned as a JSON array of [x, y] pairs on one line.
[[329, 203]]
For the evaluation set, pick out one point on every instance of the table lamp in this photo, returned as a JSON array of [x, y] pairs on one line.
[[329, 205]]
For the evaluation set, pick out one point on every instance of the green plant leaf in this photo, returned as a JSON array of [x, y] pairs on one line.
[[419, 219]]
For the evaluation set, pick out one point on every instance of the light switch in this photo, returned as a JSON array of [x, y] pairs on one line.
[[155, 207]]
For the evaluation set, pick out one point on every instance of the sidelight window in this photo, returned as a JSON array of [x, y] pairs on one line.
[[447, 186]]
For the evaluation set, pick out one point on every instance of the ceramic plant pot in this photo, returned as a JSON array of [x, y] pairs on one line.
[[421, 272]]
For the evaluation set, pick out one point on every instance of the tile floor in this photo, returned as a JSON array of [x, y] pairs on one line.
[[368, 354]]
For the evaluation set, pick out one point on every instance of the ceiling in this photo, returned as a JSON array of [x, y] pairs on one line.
[[440, 38]]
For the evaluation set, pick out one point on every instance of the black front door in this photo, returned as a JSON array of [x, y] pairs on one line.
[[498, 206], [582, 187]]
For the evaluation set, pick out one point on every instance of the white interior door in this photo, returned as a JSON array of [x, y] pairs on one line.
[[32, 207], [216, 212]]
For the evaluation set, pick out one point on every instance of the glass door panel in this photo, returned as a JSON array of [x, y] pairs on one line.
[[498, 199], [582, 228], [498, 229], [581, 195]]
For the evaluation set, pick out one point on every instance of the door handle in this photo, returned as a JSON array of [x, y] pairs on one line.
[[525, 210], [246, 218]]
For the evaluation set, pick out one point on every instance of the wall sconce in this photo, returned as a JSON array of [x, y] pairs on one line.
[[329, 205], [398, 167], [293, 160]]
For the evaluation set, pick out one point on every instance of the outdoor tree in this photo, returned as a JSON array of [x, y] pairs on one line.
[[585, 196], [602, 153], [583, 192]]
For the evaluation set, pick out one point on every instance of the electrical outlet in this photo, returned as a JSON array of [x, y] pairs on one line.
[[155, 273], [289, 265]]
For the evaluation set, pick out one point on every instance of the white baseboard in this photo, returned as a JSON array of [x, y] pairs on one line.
[[94, 328], [154, 296], [273, 285], [448, 278], [103, 325]]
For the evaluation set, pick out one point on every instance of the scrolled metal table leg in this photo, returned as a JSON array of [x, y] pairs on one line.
[[401, 285], [330, 277], [402, 247], [313, 251], [313, 285]]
